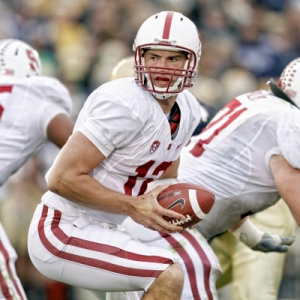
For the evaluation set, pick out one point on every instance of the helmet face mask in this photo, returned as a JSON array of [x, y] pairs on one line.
[[18, 59], [289, 80], [167, 31]]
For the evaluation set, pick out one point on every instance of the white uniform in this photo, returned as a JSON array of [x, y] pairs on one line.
[[26, 108], [198, 261], [231, 157], [81, 246]]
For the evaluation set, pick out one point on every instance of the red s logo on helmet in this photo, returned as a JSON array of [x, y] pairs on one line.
[[34, 65]]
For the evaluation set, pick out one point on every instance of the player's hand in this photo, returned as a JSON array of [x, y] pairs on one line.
[[258, 240], [147, 212], [274, 243]]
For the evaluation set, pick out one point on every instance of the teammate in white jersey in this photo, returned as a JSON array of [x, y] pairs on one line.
[[33, 109], [249, 155], [129, 132]]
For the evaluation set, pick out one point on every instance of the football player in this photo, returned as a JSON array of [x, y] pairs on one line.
[[33, 110], [248, 156], [190, 246], [127, 134]]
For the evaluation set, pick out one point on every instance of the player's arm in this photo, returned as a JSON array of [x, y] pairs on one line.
[[172, 171], [70, 178], [287, 180], [258, 240], [59, 129]]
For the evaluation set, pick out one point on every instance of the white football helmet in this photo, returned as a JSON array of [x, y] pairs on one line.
[[18, 59], [289, 80], [124, 68], [169, 31]]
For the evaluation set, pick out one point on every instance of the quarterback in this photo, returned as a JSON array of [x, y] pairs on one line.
[[200, 266], [127, 134]]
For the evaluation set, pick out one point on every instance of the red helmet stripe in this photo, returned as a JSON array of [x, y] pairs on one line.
[[167, 27]]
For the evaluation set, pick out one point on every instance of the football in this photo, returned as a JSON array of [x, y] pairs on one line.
[[191, 200]]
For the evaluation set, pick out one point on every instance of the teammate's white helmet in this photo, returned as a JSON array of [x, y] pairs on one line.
[[124, 68], [169, 31], [289, 80], [18, 59]]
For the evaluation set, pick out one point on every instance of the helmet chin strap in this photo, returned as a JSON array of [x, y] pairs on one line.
[[160, 95]]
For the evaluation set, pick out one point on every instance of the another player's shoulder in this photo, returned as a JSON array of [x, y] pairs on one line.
[[46, 83], [257, 96], [263, 100], [40, 87]]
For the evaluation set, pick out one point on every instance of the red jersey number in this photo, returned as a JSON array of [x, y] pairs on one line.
[[225, 117], [142, 171], [4, 89]]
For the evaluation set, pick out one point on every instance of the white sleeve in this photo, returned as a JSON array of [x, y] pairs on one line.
[[101, 145], [57, 93], [109, 124], [47, 113], [273, 151]]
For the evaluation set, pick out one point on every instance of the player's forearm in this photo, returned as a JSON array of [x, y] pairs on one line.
[[70, 177], [172, 171], [85, 190], [257, 240], [287, 181], [246, 232], [237, 224]]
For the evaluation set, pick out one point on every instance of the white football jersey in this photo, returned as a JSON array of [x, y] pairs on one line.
[[26, 107], [231, 156], [128, 126]]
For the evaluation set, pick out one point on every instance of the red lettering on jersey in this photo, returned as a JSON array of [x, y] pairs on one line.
[[142, 171], [4, 89], [1, 110], [256, 95], [229, 110]]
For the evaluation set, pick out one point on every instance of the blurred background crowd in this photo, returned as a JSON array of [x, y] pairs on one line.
[[244, 43]]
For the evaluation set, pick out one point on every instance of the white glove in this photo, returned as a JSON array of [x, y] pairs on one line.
[[155, 183], [261, 241]]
